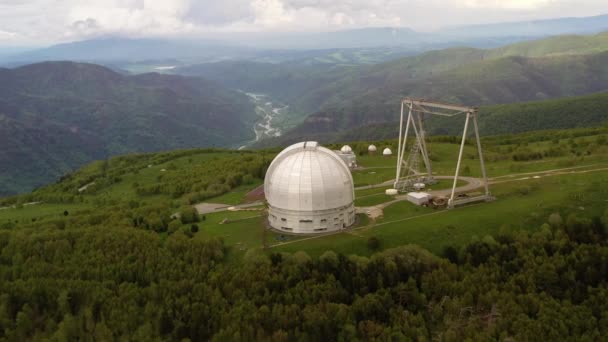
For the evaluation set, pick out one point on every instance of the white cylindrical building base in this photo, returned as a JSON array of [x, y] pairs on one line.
[[302, 222]]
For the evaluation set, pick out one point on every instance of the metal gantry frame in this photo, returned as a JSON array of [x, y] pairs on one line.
[[417, 108]]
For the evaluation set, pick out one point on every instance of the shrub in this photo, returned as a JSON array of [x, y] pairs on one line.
[[194, 228], [373, 243]]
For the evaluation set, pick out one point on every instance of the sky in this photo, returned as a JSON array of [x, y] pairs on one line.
[[44, 22]]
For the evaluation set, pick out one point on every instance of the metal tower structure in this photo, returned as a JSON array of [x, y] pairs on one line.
[[407, 173]]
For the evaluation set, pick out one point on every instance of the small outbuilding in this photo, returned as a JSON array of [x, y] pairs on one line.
[[372, 149], [419, 198], [387, 152], [391, 192], [348, 156]]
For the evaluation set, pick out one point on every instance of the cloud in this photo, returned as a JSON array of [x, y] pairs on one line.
[[57, 20], [7, 34], [509, 4]]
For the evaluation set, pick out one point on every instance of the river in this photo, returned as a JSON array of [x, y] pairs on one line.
[[268, 111]]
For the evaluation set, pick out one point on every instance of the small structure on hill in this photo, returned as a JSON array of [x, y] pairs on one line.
[[391, 192], [372, 149], [387, 152], [348, 156], [419, 198], [309, 189]]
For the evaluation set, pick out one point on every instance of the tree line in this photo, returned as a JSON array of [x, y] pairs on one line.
[[119, 282]]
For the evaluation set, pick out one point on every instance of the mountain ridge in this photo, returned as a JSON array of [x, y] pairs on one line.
[[105, 113], [238, 45]]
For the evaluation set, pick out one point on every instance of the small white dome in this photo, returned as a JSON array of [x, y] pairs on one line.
[[387, 152], [346, 149], [372, 148]]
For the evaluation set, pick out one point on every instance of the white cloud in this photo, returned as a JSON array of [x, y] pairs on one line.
[[7, 34], [507, 4]]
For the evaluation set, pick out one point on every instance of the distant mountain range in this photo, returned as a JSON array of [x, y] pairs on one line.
[[483, 36], [256, 46], [533, 28], [56, 116]]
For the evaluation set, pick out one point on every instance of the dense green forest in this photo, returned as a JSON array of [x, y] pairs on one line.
[[110, 281], [57, 116]]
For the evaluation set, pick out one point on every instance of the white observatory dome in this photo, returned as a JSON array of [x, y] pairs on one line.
[[387, 152], [372, 148], [309, 189], [346, 149]]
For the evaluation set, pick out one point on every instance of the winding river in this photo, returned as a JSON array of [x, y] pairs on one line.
[[268, 112]]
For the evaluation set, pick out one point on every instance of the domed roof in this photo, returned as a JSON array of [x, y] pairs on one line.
[[387, 152], [346, 149], [372, 148], [306, 176]]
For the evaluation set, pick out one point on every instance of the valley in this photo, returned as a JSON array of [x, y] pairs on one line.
[[270, 117]]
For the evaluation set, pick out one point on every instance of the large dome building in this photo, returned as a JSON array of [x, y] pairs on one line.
[[309, 189]]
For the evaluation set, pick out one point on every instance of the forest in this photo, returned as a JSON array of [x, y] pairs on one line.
[[117, 282]]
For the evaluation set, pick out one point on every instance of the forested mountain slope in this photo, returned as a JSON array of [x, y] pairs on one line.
[[498, 81], [563, 113], [553, 46], [311, 88], [56, 116]]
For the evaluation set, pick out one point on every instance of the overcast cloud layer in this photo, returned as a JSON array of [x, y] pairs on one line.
[[50, 21]]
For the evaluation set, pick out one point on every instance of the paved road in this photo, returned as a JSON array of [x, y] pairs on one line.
[[472, 184], [207, 208]]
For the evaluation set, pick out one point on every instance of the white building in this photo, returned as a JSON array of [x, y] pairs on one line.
[[309, 189], [346, 149], [372, 149], [349, 157], [418, 198], [387, 152]]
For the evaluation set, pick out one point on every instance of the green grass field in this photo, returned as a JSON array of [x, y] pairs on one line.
[[521, 204], [522, 201], [40, 211]]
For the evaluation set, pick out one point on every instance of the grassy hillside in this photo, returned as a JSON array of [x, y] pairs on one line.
[[57, 116], [555, 46]]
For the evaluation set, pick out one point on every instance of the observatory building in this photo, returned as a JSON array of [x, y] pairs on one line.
[[372, 149], [349, 157], [387, 152], [309, 189]]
